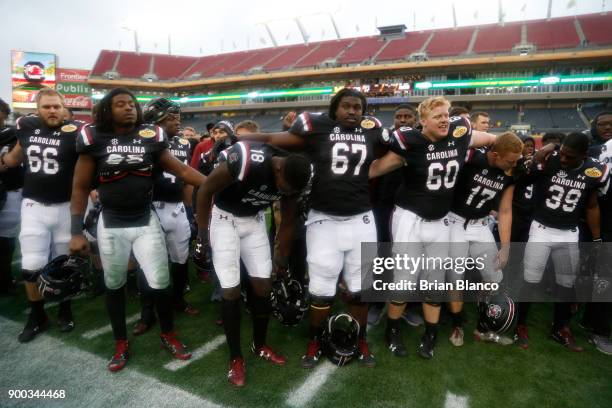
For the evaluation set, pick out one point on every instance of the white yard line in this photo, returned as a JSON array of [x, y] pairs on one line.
[[197, 354], [49, 364], [107, 329], [455, 401], [309, 388]]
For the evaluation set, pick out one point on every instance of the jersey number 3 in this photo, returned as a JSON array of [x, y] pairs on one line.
[[42, 159]]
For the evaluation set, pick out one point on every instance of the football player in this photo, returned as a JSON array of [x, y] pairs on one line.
[[567, 183], [384, 191], [486, 183], [248, 178], [11, 183], [341, 145], [122, 153], [169, 196], [431, 159], [597, 315], [46, 145]]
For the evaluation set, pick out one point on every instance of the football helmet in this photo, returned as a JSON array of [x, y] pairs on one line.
[[63, 278], [340, 339], [157, 109], [91, 222], [289, 301], [496, 312]]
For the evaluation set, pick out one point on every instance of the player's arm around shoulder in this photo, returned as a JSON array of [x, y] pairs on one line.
[[386, 164], [482, 139], [13, 158], [184, 172]]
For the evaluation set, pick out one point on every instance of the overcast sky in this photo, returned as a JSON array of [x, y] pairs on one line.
[[76, 30]]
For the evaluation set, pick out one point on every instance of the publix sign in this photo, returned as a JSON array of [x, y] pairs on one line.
[[72, 83]]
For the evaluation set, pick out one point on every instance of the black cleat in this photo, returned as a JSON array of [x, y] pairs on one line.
[[32, 329], [427, 345], [396, 343]]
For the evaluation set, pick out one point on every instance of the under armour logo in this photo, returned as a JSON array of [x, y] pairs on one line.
[[115, 142], [136, 141], [57, 133], [451, 143], [500, 177], [581, 177], [29, 204], [222, 217], [430, 147], [561, 174], [359, 130]]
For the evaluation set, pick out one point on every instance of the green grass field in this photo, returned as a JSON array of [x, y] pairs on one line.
[[475, 375]]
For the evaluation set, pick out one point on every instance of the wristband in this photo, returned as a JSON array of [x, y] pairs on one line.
[[76, 224]]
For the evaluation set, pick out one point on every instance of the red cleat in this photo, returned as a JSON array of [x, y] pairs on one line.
[[565, 338], [174, 346], [121, 356], [522, 337], [313, 352], [266, 353], [237, 372]]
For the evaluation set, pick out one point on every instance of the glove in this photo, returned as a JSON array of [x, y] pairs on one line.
[[202, 255]]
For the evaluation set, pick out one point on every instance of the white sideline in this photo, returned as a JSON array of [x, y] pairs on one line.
[[106, 329], [49, 364], [196, 354]]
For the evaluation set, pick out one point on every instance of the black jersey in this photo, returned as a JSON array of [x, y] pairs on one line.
[[341, 158], [250, 165], [50, 157], [12, 179], [431, 169], [523, 200], [124, 171], [386, 186], [561, 193], [603, 153], [479, 186], [167, 187]]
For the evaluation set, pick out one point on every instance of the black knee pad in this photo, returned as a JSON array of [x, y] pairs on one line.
[[30, 276]]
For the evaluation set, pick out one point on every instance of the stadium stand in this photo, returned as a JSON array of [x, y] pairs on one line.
[[326, 50], [105, 62], [557, 33], [261, 58], [502, 119], [289, 57], [497, 38], [449, 42], [400, 48], [167, 67], [597, 28], [361, 50], [132, 65], [564, 120]]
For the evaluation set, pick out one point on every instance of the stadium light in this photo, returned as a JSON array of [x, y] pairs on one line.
[[237, 96], [506, 82]]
